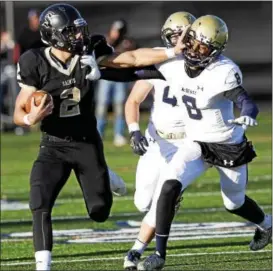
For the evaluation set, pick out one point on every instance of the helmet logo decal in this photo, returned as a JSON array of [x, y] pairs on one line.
[[80, 22], [50, 16], [60, 43], [204, 38]]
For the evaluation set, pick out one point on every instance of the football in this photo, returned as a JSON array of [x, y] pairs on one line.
[[38, 96]]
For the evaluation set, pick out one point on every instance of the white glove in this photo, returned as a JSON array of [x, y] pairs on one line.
[[245, 121], [88, 60]]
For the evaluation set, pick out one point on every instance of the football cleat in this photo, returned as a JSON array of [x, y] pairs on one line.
[[131, 260], [261, 239], [153, 262], [117, 185]]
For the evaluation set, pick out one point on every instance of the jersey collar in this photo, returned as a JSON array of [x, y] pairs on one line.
[[57, 65]]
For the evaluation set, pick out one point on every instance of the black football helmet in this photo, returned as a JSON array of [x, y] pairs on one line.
[[60, 26]]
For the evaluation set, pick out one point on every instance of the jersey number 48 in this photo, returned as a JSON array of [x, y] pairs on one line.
[[190, 103]]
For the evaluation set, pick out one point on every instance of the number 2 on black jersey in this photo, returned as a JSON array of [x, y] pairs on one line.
[[69, 106]]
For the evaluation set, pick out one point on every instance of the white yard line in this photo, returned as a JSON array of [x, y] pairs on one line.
[[177, 229], [129, 198], [121, 258], [188, 211], [132, 185], [187, 194], [215, 180]]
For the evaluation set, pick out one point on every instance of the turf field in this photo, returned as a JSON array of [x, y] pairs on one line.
[[204, 236]]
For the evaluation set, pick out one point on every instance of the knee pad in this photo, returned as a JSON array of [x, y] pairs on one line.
[[171, 188], [100, 213], [37, 199], [233, 200]]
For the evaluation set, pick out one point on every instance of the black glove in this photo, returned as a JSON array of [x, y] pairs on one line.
[[138, 142]]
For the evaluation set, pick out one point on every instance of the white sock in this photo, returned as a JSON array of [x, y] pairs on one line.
[[139, 246], [43, 259], [267, 223]]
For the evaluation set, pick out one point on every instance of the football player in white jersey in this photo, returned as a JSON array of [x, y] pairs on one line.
[[163, 136], [209, 85]]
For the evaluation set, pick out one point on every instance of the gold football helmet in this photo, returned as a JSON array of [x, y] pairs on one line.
[[206, 39], [174, 26]]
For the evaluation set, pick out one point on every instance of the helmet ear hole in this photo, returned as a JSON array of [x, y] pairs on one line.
[[48, 35]]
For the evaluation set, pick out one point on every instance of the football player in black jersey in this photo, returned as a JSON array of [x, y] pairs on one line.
[[70, 141]]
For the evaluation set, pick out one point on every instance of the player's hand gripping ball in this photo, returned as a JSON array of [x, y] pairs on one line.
[[38, 96]]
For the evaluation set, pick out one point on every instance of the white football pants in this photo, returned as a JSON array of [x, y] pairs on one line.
[[158, 165], [181, 160]]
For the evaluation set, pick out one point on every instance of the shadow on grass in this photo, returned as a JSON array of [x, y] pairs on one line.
[[122, 252]]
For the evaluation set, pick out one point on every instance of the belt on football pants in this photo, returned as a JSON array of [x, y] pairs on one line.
[[178, 135], [52, 138]]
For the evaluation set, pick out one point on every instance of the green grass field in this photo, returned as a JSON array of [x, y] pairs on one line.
[[204, 235]]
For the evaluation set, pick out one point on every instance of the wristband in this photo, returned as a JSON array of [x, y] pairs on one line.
[[170, 53], [26, 120], [133, 127]]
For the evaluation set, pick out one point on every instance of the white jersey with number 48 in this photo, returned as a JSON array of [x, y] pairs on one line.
[[166, 115], [206, 110]]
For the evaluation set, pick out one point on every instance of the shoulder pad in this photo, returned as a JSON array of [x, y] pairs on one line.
[[30, 57], [27, 69], [225, 74], [168, 67]]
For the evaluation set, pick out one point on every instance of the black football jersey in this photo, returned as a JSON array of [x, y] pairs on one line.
[[73, 95]]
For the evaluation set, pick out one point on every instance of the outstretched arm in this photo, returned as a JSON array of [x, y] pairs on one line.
[[130, 74], [138, 58], [143, 56]]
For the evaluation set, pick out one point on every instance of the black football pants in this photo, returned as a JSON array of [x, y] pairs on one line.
[[49, 174]]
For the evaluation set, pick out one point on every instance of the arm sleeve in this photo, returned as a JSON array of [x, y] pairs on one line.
[[131, 74], [242, 100], [100, 47], [27, 71]]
